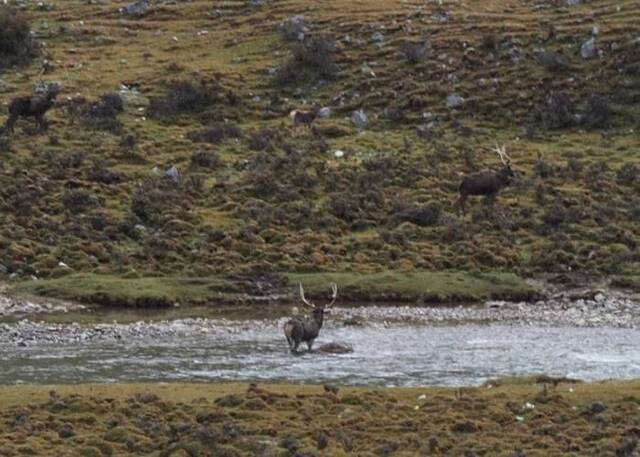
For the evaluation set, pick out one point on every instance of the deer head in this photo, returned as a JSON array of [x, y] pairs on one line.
[[506, 173], [318, 311]]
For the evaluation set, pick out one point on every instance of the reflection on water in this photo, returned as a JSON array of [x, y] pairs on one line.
[[399, 355]]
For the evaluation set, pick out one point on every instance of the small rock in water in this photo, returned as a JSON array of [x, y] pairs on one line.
[[335, 348]]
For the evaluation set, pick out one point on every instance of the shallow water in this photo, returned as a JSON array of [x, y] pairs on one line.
[[393, 355]]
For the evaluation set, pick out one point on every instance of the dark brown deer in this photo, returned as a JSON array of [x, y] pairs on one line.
[[487, 182], [304, 117], [298, 330], [32, 106]]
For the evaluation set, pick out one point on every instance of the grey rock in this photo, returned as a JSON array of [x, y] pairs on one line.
[[377, 37], [136, 8], [359, 119], [588, 48], [173, 174], [294, 28], [454, 101], [324, 112]]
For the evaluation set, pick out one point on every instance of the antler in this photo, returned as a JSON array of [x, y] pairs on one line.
[[334, 288], [502, 153], [304, 300]]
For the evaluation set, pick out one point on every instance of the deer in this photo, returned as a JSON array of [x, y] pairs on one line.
[[298, 330], [487, 182], [304, 117], [35, 106]]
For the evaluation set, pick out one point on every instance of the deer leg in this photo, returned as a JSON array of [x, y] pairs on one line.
[[11, 123], [460, 203], [309, 345]]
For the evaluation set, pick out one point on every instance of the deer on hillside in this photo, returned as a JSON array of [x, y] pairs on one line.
[[298, 330], [304, 117], [487, 182], [32, 106]]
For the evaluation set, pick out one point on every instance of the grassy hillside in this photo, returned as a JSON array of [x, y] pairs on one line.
[[510, 419], [214, 89]]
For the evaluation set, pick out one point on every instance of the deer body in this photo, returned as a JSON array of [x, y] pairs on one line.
[[299, 330], [31, 106], [487, 183], [303, 117]]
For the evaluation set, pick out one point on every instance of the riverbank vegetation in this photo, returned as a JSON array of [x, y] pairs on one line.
[[163, 291], [514, 417]]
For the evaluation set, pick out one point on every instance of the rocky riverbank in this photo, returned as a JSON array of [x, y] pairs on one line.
[[599, 309]]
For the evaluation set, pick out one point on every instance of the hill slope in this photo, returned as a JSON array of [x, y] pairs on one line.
[[254, 195]]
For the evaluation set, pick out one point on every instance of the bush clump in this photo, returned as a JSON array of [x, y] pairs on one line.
[[183, 97], [596, 113], [206, 159], [17, 46], [77, 200], [215, 133], [424, 216], [415, 52], [628, 174], [557, 111], [313, 59], [101, 114]]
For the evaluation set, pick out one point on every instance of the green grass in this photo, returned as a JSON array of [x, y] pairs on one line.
[[128, 292], [425, 286]]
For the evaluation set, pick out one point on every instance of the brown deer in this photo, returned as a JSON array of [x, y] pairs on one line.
[[35, 106], [304, 117], [298, 330], [486, 182]]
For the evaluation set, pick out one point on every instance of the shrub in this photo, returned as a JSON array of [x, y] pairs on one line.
[[628, 174], [101, 114], [16, 44], [187, 97], [557, 111], [415, 52], [596, 113], [264, 139], [206, 159], [294, 28], [424, 216], [311, 60], [77, 200], [542, 168], [215, 133]]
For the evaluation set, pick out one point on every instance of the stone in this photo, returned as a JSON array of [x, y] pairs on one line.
[[377, 37], [136, 8], [454, 101], [294, 28], [588, 48], [173, 174], [324, 112], [359, 119]]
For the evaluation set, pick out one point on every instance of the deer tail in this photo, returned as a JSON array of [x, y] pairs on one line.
[[293, 113]]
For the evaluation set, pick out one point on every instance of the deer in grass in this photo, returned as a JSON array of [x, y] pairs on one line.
[[304, 117], [298, 330], [487, 182], [32, 106]]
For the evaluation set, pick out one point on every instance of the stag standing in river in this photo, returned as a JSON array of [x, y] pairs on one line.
[[487, 183], [298, 330]]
